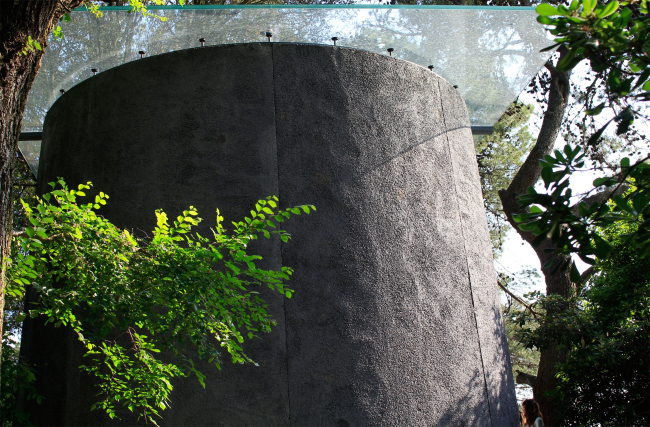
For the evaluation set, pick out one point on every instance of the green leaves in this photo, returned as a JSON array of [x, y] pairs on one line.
[[176, 290], [601, 330], [572, 226], [587, 6], [31, 45], [546, 9], [614, 37], [608, 9]]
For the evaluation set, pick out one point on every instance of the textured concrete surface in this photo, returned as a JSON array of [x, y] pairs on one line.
[[395, 319]]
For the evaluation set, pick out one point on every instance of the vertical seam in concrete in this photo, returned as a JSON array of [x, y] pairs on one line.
[[277, 162], [469, 274]]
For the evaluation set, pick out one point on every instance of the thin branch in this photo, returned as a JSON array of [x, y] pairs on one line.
[[601, 197], [550, 67], [23, 233], [64, 6], [519, 300]]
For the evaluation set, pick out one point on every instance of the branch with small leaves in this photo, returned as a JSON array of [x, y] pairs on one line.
[[200, 291]]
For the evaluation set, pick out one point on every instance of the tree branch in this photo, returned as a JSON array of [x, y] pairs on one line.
[[519, 300], [524, 378], [67, 9], [550, 67], [601, 197], [558, 99], [530, 172], [22, 233]]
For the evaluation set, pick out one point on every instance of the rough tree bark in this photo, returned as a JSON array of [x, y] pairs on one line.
[[529, 173], [19, 19]]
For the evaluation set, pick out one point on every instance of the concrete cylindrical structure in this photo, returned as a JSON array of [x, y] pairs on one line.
[[395, 319]]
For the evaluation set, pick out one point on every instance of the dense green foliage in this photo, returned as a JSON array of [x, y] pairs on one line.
[[523, 358], [16, 377], [605, 331], [127, 298]]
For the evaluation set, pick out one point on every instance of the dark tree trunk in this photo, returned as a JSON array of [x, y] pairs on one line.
[[19, 19], [530, 172]]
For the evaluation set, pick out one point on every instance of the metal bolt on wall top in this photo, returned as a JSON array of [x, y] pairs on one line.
[[202, 41], [335, 39], [390, 51], [269, 35], [141, 53]]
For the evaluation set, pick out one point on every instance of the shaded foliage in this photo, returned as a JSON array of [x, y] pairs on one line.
[[555, 215], [614, 37], [16, 377], [605, 330]]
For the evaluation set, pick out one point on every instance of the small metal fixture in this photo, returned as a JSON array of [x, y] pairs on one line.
[[94, 70], [335, 39], [202, 41], [62, 91], [455, 86], [141, 53], [269, 35], [390, 51], [431, 67], [482, 130]]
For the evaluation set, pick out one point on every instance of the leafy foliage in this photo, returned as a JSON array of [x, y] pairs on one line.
[[571, 226], [572, 329], [16, 377], [138, 6], [523, 358], [605, 330], [127, 298], [615, 37]]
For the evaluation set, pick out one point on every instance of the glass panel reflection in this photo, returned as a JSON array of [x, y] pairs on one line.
[[31, 151], [491, 53]]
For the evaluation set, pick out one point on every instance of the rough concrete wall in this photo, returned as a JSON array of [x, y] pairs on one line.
[[395, 319]]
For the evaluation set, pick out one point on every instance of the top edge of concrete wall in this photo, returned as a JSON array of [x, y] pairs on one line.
[[263, 44]]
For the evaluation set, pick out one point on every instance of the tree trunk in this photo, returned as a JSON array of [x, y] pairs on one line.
[[19, 19], [530, 172]]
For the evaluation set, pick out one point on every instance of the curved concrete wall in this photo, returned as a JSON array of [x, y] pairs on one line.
[[395, 318]]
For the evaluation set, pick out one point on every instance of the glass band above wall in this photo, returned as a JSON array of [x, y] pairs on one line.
[[490, 53]]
